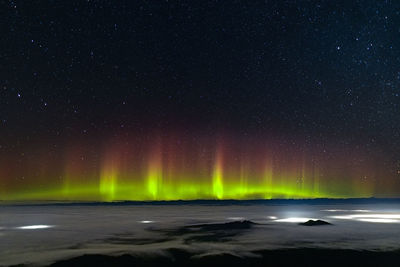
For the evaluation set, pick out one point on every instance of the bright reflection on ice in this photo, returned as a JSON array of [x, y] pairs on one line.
[[379, 220], [386, 216], [272, 217], [361, 210], [146, 221], [342, 217], [375, 218], [347, 210], [294, 219], [34, 227]]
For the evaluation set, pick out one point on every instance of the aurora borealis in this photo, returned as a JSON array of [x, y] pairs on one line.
[[168, 100], [170, 167]]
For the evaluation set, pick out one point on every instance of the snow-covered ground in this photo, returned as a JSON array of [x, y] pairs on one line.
[[42, 234]]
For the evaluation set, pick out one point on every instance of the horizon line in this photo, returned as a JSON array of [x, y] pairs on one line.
[[196, 201]]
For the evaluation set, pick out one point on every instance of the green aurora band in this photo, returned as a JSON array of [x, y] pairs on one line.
[[167, 170]]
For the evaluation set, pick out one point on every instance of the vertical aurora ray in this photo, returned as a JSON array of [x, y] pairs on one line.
[[110, 173], [217, 177], [267, 179], [154, 175], [108, 182], [243, 178], [156, 189]]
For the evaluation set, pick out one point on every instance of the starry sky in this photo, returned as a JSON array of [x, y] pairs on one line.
[[101, 99]]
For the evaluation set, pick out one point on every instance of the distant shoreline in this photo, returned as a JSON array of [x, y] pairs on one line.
[[317, 201]]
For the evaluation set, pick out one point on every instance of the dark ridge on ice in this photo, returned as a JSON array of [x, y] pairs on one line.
[[315, 223], [236, 225], [212, 232]]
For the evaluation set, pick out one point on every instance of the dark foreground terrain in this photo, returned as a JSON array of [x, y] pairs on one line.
[[290, 257], [260, 233]]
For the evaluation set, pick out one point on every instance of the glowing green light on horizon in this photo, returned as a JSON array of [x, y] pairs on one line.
[[111, 188], [218, 187]]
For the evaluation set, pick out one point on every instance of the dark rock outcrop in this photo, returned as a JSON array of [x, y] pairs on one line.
[[315, 223]]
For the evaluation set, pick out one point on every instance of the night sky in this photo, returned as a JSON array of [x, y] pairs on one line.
[[153, 100]]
